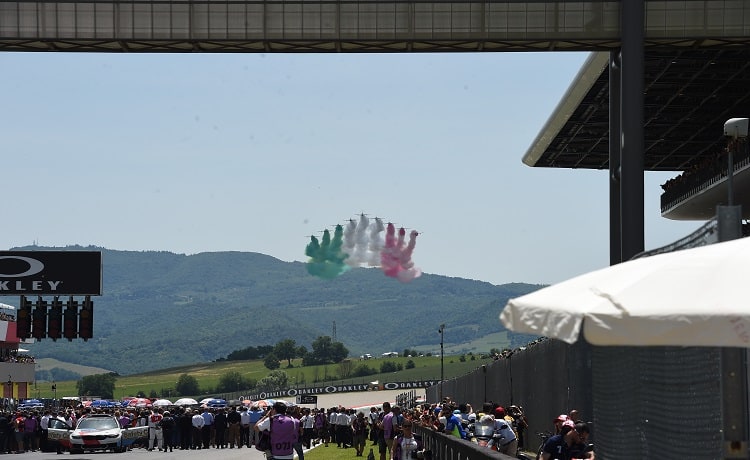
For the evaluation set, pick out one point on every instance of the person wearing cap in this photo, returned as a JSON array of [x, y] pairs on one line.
[[284, 431], [562, 418], [508, 441], [558, 446]]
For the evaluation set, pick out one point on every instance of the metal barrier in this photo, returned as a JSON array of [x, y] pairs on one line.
[[448, 447], [407, 400]]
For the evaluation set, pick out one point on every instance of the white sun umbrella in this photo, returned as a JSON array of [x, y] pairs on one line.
[[692, 297], [286, 403], [186, 402], [162, 403]]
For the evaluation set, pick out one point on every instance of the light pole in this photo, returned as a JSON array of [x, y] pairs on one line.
[[442, 368], [510, 373], [484, 371]]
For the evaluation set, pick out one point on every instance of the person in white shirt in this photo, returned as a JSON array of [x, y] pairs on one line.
[[308, 428], [244, 427], [198, 423], [155, 433]]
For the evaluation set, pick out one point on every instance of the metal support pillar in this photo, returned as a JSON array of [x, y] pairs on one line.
[[734, 370], [615, 223], [631, 120]]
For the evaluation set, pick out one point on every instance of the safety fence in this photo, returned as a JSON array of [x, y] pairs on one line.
[[642, 402], [407, 399], [447, 447]]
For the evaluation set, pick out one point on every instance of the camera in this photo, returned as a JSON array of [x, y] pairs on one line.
[[736, 127]]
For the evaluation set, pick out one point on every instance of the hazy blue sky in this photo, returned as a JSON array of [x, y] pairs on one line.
[[247, 152]]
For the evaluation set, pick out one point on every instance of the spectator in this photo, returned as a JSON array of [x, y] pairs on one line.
[[284, 431]]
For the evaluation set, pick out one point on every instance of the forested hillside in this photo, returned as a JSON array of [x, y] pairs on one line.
[[161, 309]]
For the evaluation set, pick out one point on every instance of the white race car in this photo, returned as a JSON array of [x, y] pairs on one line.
[[98, 432]]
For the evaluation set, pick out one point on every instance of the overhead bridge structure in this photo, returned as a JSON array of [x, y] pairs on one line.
[[360, 26]]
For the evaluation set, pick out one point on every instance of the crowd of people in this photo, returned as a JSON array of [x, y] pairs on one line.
[[7, 316], [698, 174], [17, 358], [507, 353], [570, 439], [389, 430]]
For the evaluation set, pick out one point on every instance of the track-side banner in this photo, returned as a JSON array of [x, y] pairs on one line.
[[33, 273]]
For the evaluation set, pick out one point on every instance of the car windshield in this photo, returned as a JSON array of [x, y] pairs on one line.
[[96, 423], [57, 424]]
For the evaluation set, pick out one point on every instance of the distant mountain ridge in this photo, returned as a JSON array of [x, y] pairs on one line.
[[161, 309]]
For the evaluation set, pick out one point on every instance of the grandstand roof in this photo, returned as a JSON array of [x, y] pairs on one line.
[[689, 94]]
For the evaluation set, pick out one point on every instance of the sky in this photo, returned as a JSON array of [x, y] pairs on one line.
[[193, 153]]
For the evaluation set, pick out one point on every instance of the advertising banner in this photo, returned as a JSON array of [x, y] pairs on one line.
[[37, 273]]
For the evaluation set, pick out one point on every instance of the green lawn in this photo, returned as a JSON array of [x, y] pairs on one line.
[[334, 453]]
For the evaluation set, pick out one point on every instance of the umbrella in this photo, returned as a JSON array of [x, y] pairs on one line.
[[101, 403], [286, 403], [139, 402], [162, 402], [216, 403], [186, 402], [693, 297]]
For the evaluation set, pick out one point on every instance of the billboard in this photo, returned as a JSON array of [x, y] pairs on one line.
[[37, 273]]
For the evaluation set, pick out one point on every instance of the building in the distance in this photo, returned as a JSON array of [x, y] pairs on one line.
[[16, 367]]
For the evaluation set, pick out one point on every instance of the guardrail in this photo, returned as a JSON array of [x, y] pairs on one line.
[[448, 447]]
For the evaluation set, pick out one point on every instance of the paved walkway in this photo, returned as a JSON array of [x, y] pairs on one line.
[[361, 398]]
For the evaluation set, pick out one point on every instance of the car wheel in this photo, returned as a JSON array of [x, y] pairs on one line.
[[76, 451]]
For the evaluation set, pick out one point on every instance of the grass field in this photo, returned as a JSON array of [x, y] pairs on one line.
[[334, 453], [162, 382]]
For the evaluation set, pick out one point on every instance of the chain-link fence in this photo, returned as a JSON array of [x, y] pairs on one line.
[[642, 402]]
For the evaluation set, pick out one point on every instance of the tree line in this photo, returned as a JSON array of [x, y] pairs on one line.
[[324, 351]]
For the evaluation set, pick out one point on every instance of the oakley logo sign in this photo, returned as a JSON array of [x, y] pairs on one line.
[[22, 271], [35, 267]]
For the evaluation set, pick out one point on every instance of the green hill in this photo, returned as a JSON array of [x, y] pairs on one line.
[[161, 309]]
